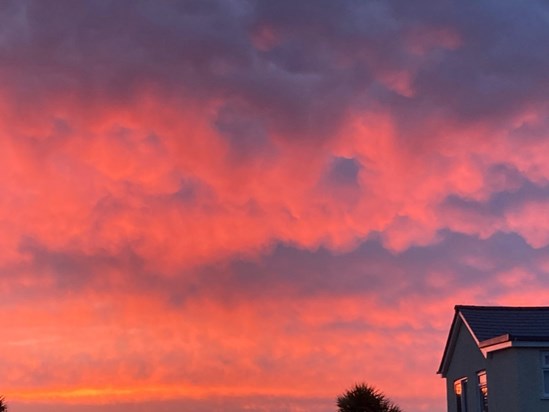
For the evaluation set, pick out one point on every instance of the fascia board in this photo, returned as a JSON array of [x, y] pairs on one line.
[[513, 344], [469, 328], [450, 345]]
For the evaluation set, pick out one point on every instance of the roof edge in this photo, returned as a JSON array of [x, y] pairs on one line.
[[450, 343], [494, 341], [502, 308]]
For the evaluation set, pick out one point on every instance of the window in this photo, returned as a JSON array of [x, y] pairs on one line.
[[545, 372], [460, 389], [483, 391]]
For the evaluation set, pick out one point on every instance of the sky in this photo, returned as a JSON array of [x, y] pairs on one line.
[[252, 205]]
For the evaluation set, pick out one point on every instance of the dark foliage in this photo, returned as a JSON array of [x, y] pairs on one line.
[[365, 398], [3, 406]]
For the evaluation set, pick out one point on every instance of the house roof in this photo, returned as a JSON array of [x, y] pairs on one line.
[[520, 323], [497, 327]]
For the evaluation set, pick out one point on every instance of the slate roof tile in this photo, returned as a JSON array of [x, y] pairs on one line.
[[521, 323]]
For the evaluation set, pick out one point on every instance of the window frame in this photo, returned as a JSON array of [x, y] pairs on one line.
[[544, 363], [482, 394], [461, 397]]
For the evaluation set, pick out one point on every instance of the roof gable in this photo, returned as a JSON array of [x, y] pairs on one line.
[[458, 325]]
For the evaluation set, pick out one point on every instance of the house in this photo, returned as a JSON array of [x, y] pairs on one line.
[[497, 359]]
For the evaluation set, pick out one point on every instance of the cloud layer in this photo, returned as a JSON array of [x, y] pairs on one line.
[[257, 203]]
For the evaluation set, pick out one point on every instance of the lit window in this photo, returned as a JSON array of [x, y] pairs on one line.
[[460, 389], [545, 371], [483, 391]]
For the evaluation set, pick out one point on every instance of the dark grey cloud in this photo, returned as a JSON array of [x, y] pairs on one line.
[[344, 171], [70, 269], [458, 260], [369, 270], [499, 70], [326, 57], [511, 191]]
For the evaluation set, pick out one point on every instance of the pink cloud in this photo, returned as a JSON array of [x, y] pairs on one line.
[[233, 202]]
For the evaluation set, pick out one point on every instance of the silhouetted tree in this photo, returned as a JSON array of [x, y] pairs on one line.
[[365, 398], [3, 406]]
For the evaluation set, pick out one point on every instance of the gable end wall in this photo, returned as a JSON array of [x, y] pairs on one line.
[[466, 361]]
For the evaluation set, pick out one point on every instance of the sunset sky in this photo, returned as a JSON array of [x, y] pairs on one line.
[[251, 205]]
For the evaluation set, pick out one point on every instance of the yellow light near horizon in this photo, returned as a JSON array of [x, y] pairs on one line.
[[99, 395]]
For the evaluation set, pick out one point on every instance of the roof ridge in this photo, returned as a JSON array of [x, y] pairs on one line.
[[483, 307]]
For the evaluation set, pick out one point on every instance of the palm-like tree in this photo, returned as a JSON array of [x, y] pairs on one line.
[[365, 398], [3, 406]]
